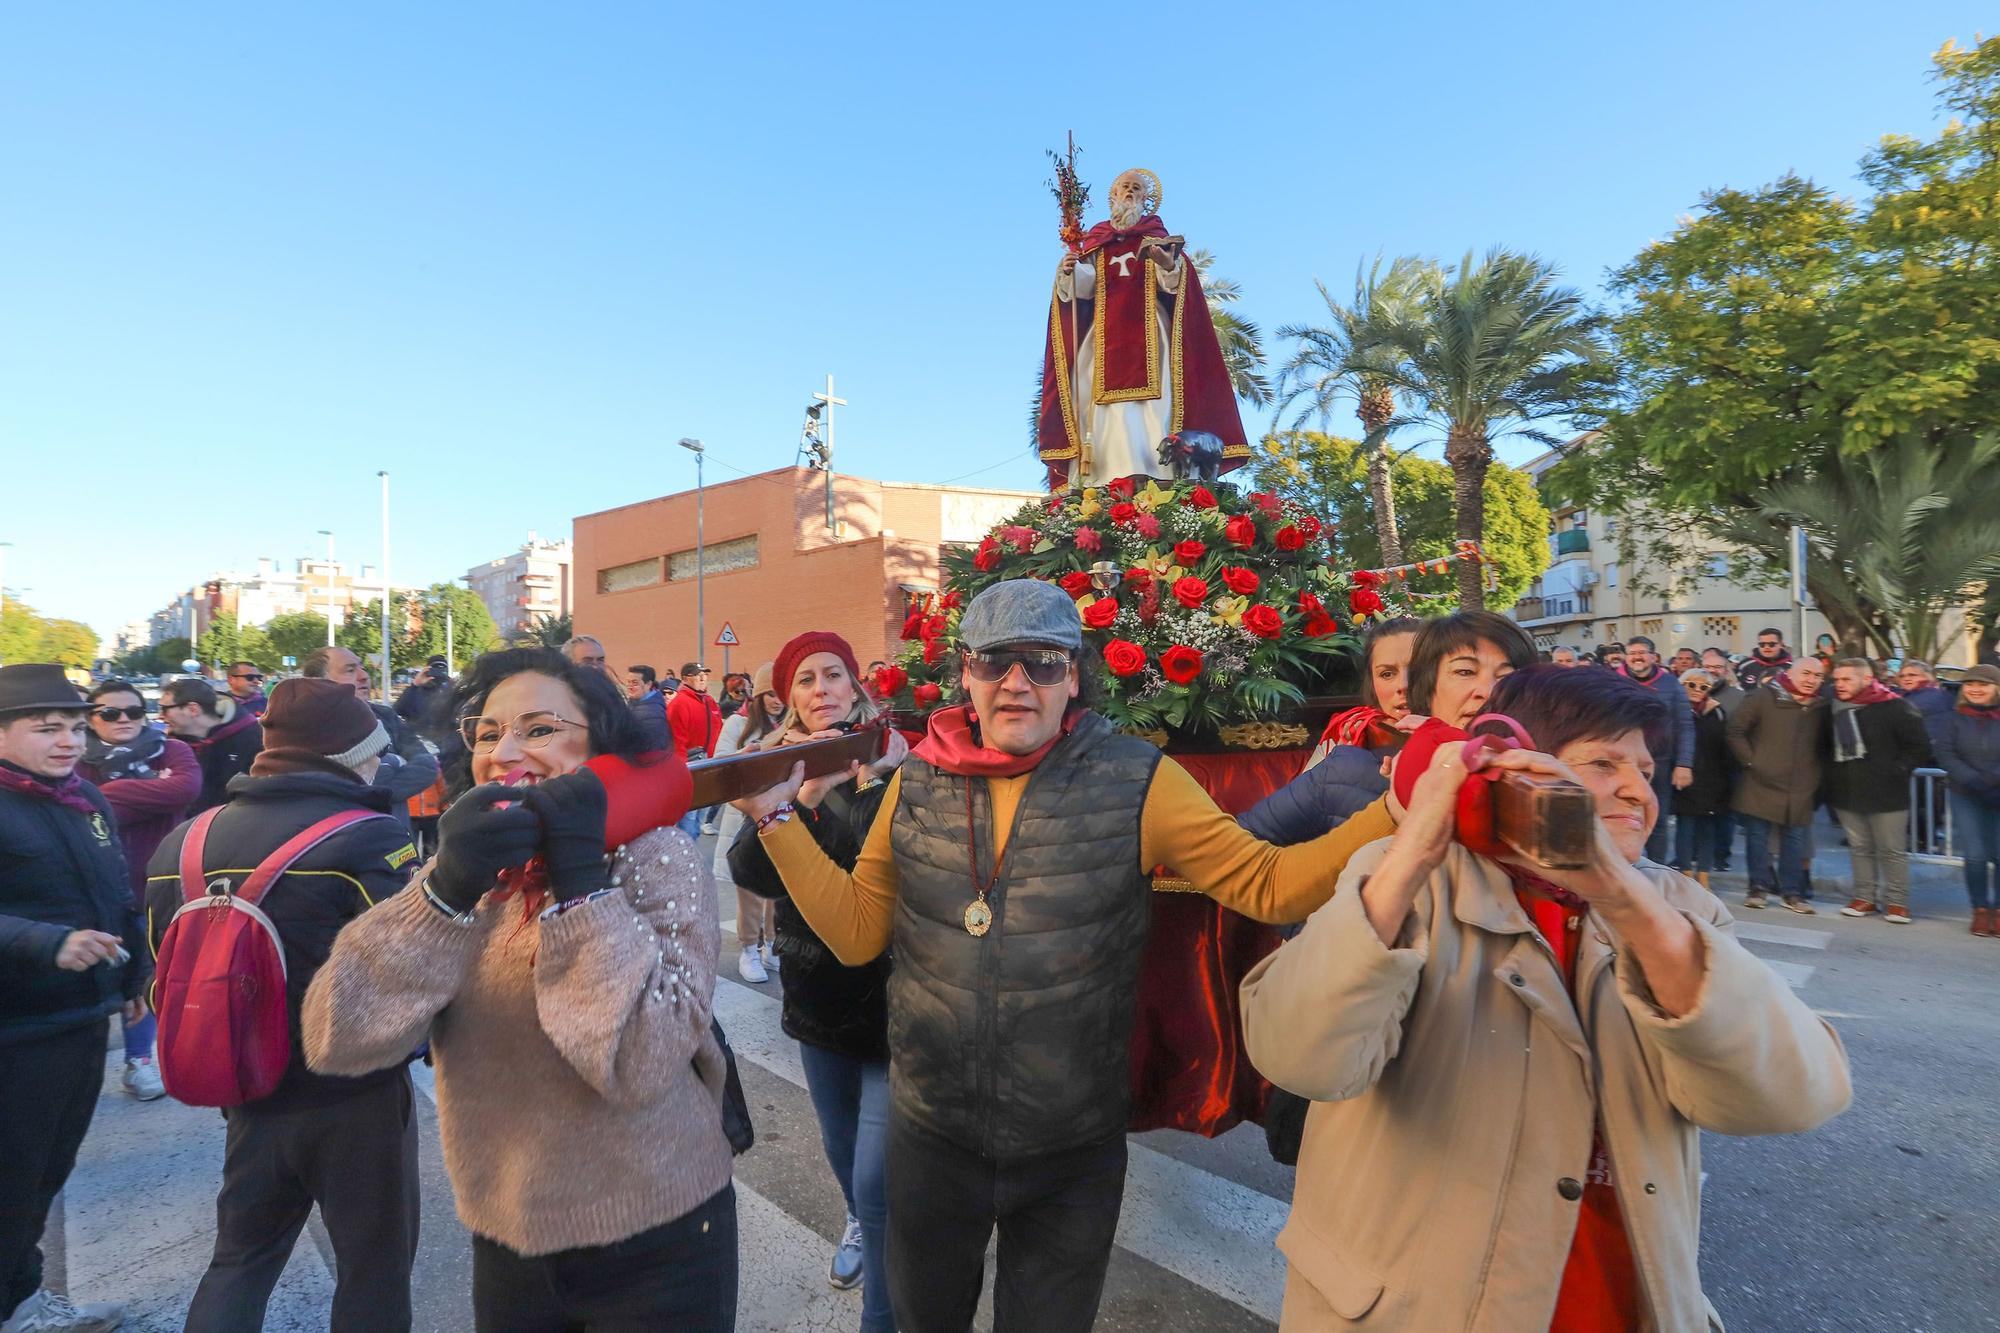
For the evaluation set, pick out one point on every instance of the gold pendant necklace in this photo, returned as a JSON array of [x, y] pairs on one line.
[[978, 916]]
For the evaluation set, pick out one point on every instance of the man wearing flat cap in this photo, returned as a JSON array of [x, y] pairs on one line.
[[346, 1144], [67, 939], [1011, 865]]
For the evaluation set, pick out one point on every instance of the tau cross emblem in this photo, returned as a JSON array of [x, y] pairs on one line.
[[1124, 262]]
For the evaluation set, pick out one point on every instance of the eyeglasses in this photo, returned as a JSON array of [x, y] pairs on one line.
[[107, 714], [1697, 688], [248, 675], [1044, 666], [532, 730]]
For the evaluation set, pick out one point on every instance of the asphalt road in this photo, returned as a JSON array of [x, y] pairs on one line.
[[1887, 1219]]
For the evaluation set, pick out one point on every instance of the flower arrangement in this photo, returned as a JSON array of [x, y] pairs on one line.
[[1208, 607]]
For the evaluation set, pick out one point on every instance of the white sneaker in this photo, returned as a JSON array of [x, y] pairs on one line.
[[771, 959], [751, 968], [51, 1312], [142, 1080]]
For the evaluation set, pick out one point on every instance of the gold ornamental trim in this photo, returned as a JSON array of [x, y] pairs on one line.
[[1151, 389], [1157, 739], [1264, 735], [1173, 884], [1065, 372]]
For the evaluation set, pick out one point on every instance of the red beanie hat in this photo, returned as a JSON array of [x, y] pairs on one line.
[[804, 646], [313, 722]]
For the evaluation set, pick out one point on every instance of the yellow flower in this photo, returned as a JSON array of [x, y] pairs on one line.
[[1153, 497], [1088, 508], [1229, 611]]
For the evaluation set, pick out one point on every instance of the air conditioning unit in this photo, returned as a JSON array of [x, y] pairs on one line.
[[1590, 578]]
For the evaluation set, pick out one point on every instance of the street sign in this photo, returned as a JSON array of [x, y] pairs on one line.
[[288, 661], [727, 639]]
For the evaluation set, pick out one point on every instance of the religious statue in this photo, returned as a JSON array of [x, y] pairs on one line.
[[1131, 356]]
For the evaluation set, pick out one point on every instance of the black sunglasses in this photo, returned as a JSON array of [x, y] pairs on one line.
[[109, 714], [248, 675], [1044, 666]]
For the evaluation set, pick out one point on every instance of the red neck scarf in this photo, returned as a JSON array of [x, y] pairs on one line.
[[66, 792], [1875, 693], [1970, 709], [1783, 680], [952, 744]]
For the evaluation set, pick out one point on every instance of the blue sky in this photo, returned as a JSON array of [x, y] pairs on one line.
[[249, 254]]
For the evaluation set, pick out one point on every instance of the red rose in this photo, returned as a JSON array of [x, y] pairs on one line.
[[1189, 551], [1100, 613], [1241, 531], [1190, 591], [1239, 580], [1368, 578], [933, 651], [889, 681], [1263, 621], [1308, 527], [1088, 540], [987, 557], [1319, 624], [926, 694], [1123, 488], [1124, 657], [933, 628], [1124, 512], [1147, 526], [1023, 539], [1364, 602], [1310, 605], [950, 601], [1267, 502], [1288, 538], [1180, 664], [912, 626], [1076, 583], [1201, 498]]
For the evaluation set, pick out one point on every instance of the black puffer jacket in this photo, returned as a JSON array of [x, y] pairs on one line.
[[1714, 768], [324, 890], [827, 1004], [61, 870]]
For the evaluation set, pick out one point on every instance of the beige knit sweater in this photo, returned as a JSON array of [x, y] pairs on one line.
[[579, 1088]]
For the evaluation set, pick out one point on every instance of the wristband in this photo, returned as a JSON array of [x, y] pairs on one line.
[[778, 816], [464, 918]]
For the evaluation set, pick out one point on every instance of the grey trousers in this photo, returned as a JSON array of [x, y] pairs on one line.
[[1880, 846]]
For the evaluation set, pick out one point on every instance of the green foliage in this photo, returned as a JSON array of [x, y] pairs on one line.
[[296, 633], [1785, 334], [1329, 475], [27, 636], [224, 641], [547, 632], [1241, 341], [417, 627]]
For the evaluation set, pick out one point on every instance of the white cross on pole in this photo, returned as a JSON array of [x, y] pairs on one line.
[[831, 403]]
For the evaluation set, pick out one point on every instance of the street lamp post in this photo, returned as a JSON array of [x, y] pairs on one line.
[[700, 452], [3, 568], [328, 534], [385, 585]]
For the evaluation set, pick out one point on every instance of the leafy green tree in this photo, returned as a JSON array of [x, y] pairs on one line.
[[27, 636], [1783, 334], [472, 628], [1342, 359], [547, 632], [225, 641], [1485, 349], [1330, 475], [296, 633], [1241, 341]]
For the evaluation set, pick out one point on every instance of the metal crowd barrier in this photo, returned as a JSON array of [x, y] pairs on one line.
[[1930, 819]]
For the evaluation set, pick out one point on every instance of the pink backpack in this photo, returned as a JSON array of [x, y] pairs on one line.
[[219, 987]]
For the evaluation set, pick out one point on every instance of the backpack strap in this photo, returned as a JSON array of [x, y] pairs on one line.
[[278, 862], [194, 881]]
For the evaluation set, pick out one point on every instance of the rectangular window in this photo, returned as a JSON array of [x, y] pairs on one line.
[[1611, 575], [1718, 567], [622, 578], [719, 558]]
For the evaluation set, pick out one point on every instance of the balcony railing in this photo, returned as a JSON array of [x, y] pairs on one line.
[[1574, 542]]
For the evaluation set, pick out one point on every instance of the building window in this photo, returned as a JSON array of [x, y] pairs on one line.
[[1652, 629], [1721, 629], [1718, 567], [1611, 575], [1580, 519], [721, 558], [623, 578]]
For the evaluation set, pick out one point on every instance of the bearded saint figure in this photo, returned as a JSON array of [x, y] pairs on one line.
[[1143, 362]]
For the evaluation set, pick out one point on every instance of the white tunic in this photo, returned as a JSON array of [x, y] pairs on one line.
[[1125, 436]]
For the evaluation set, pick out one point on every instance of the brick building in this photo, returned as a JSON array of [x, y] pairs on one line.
[[773, 569], [529, 584]]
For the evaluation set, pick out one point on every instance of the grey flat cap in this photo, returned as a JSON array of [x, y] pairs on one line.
[[1021, 611]]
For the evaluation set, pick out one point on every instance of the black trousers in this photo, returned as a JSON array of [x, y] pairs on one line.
[[1057, 1216], [357, 1159], [679, 1276], [48, 1093]]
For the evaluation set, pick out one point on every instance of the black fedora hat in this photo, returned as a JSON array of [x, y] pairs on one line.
[[38, 687]]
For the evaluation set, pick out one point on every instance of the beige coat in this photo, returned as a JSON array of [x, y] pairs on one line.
[[1455, 1092]]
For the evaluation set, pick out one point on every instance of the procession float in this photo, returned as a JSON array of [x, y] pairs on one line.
[[1215, 623]]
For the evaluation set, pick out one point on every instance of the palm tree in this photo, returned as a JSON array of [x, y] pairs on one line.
[[546, 632], [1340, 360], [1484, 350]]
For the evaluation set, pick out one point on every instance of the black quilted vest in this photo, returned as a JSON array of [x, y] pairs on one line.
[[1017, 1043]]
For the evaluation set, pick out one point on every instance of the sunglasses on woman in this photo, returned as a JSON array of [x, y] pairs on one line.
[[108, 714], [1044, 666], [1699, 689]]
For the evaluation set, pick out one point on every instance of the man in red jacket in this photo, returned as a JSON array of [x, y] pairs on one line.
[[696, 721]]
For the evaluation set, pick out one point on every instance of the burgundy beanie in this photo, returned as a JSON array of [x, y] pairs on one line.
[[312, 721], [804, 646]]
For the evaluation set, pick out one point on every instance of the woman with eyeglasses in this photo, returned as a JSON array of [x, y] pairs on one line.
[[1701, 807], [150, 779], [839, 1015], [756, 923], [566, 996]]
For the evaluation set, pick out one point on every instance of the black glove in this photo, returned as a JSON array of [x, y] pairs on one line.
[[571, 809], [476, 842]]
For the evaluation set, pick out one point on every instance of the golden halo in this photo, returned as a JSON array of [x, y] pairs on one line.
[[1150, 203]]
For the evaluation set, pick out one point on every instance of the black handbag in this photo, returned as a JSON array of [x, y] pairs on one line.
[[736, 1126]]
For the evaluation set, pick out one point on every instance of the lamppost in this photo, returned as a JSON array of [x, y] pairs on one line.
[[385, 585], [328, 534], [3, 567], [700, 452]]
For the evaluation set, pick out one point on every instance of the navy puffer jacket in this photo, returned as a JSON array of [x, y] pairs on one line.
[[1323, 797]]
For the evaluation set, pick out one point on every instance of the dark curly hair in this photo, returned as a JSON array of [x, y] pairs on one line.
[[613, 728]]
